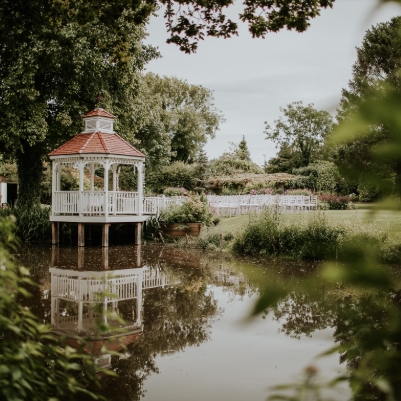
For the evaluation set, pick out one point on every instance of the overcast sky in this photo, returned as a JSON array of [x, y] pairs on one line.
[[252, 78]]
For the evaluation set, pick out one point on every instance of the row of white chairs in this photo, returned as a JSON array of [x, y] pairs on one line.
[[245, 204]]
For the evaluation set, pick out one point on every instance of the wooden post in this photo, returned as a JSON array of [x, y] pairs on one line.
[[81, 258], [81, 234], [54, 258], [105, 234], [105, 258], [138, 233], [55, 232], [138, 256]]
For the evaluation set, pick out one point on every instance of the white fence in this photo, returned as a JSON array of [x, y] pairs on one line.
[[92, 203]]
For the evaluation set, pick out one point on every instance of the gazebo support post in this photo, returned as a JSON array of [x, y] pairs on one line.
[[81, 234], [55, 232], [138, 233], [105, 234]]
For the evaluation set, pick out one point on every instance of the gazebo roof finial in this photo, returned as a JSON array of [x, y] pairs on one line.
[[99, 112]]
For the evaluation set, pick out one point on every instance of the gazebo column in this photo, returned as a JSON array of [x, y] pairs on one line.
[[81, 167], [139, 168], [106, 189], [92, 176], [55, 224], [115, 177]]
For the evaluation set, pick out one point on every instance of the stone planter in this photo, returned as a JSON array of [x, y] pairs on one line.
[[182, 229]]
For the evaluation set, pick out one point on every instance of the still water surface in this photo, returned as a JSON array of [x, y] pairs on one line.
[[185, 313]]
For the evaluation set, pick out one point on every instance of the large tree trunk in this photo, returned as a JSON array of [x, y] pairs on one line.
[[30, 171]]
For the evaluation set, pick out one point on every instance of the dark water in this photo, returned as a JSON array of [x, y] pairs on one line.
[[185, 327]]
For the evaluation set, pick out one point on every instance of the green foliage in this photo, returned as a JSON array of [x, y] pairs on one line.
[[321, 176], [266, 234], [375, 71], [302, 130], [243, 151], [185, 115], [193, 210], [9, 171], [33, 366], [177, 174], [302, 192], [286, 161], [32, 224], [368, 193], [336, 202], [235, 161], [173, 191], [207, 19]]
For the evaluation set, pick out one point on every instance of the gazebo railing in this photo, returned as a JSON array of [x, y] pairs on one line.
[[92, 203]]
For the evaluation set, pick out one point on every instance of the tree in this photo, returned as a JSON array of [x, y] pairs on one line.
[[303, 129], [57, 63], [191, 21], [185, 112], [376, 69], [286, 160], [243, 151]]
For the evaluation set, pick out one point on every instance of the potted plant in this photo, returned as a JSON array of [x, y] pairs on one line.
[[187, 218]]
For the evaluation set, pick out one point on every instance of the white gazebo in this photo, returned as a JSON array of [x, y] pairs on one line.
[[97, 147]]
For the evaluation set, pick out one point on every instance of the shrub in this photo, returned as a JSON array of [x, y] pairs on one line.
[[175, 191], [32, 224], [367, 193], [336, 202], [193, 210], [266, 234], [303, 192], [177, 174], [319, 176]]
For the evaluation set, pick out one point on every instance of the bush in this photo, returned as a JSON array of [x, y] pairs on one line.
[[266, 234], [319, 176], [367, 193], [175, 191], [336, 202], [301, 192], [32, 224], [177, 174], [193, 210]]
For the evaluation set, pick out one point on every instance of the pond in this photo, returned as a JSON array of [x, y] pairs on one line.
[[187, 334]]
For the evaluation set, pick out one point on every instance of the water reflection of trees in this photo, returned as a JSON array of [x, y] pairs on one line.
[[174, 317], [366, 324]]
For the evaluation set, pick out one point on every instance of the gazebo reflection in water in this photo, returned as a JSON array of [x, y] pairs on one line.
[[83, 301]]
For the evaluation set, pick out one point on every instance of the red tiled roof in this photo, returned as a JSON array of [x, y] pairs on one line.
[[99, 112], [99, 143]]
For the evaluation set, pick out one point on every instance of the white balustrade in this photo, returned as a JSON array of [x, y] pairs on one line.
[[121, 202]]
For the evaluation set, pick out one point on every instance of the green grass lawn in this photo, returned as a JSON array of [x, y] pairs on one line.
[[387, 220]]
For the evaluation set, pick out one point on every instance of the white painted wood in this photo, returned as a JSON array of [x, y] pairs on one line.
[[140, 186]]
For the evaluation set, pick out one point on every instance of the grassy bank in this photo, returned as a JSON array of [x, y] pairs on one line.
[[361, 217], [308, 235]]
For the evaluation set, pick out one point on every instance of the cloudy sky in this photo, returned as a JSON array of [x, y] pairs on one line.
[[253, 78]]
